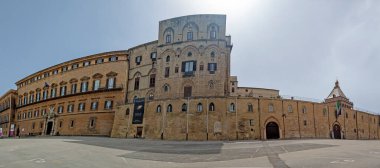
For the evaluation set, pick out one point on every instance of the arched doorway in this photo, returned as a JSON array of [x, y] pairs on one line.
[[336, 131], [272, 131]]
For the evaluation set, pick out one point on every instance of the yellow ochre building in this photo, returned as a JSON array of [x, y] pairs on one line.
[[178, 87]]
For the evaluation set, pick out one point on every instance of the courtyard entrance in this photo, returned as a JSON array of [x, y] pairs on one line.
[[139, 132], [336, 131], [272, 131], [49, 128]]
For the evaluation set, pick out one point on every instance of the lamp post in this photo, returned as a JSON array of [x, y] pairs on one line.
[[187, 118]]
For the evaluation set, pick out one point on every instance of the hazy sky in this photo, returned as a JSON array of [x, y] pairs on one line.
[[298, 47]]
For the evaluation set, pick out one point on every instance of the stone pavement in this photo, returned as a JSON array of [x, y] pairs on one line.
[[59, 152]]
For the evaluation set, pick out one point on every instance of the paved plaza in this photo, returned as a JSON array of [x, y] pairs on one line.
[[86, 152]]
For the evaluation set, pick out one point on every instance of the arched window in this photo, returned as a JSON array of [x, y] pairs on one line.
[[213, 33], [250, 107], [184, 107], [290, 108], [158, 110], [168, 58], [127, 111], [170, 108], [271, 108], [211, 107], [304, 109], [232, 107], [212, 54], [233, 90], [199, 107], [166, 88]]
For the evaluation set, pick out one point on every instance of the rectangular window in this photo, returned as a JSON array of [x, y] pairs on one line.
[[138, 60], [74, 66], [167, 72], [137, 83], [111, 83], [55, 72], [152, 81], [86, 63], [70, 108], [189, 36], [31, 98], [53, 92], [64, 69], [113, 59], [251, 122], [73, 88], [81, 107], [96, 85], [92, 122], [25, 99], [45, 94], [63, 90], [60, 109], [108, 104], [187, 91], [212, 68], [153, 56], [72, 123], [201, 67], [188, 67], [176, 69], [38, 96], [94, 105], [84, 86], [168, 38], [99, 61]]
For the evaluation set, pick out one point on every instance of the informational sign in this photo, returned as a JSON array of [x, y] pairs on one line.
[[12, 131], [138, 111]]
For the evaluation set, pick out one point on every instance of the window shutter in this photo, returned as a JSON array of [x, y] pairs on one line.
[[114, 82], [194, 65], [215, 67], [107, 83], [208, 66], [183, 67]]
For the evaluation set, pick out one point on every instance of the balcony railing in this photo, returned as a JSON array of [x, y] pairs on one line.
[[102, 89]]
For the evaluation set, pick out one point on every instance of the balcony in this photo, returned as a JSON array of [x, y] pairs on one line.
[[188, 74], [100, 90]]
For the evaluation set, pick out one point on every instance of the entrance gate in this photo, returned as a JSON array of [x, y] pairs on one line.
[[272, 131], [336, 130]]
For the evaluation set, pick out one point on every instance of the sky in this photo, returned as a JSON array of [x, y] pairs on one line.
[[298, 47]]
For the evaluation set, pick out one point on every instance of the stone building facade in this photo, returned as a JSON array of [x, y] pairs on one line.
[[178, 87]]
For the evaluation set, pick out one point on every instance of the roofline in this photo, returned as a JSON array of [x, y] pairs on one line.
[[193, 16], [73, 60], [7, 93], [257, 88], [148, 43]]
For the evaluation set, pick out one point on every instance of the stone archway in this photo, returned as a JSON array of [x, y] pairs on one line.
[[337, 132], [272, 131]]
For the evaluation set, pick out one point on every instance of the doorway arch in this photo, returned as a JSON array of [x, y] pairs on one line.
[[337, 132], [272, 131]]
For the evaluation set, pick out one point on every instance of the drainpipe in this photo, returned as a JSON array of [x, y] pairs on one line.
[[236, 120]]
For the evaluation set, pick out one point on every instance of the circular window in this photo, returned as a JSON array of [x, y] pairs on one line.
[[189, 54]]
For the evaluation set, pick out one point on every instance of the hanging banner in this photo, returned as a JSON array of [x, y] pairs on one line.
[[12, 130], [138, 111], [338, 109]]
